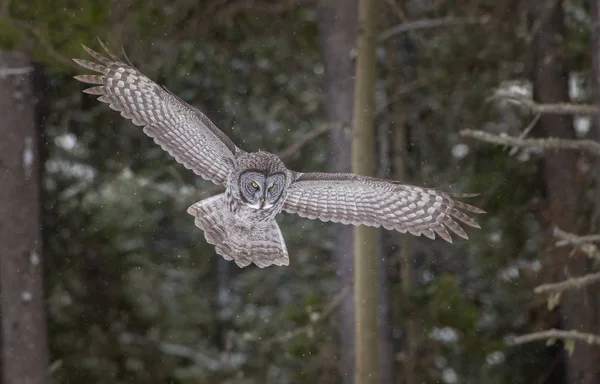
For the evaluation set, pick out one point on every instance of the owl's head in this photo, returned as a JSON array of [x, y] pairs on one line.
[[262, 180]]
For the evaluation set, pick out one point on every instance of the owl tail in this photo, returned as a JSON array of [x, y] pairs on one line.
[[259, 243]]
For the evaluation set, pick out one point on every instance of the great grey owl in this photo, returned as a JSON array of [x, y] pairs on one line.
[[241, 221]]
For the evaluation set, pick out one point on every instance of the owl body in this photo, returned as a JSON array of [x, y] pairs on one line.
[[241, 222], [236, 236]]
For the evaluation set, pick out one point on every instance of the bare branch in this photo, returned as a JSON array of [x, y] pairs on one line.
[[584, 244], [171, 349], [541, 18], [4, 72], [573, 282], [556, 334], [430, 24], [557, 108], [310, 135], [590, 146], [570, 238], [329, 309], [399, 92], [526, 132]]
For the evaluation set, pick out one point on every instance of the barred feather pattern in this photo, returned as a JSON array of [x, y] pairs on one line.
[[244, 242], [242, 228], [360, 200], [180, 129]]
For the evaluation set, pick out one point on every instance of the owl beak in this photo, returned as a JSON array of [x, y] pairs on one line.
[[262, 202]]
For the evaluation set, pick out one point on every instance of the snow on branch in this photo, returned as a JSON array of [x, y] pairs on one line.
[[584, 243], [555, 108], [556, 334], [5, 72], [589, 146], [566, 238], [573, 282], [432, 23]]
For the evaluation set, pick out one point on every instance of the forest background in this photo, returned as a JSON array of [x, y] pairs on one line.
[[105, 279]]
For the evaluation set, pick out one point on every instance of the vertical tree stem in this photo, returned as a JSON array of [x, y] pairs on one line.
[[363, 162]]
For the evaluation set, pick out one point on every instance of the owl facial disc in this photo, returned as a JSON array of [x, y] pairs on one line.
[[261, 190]]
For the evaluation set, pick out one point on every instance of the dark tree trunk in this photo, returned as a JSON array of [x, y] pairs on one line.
[[563, 186], [403, 242], [337, 29], [595, 219], [385, 341], [595, 134], [24, 346], [338, 26]]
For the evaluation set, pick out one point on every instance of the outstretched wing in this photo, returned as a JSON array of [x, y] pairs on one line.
[[180, 129], [359, 200]]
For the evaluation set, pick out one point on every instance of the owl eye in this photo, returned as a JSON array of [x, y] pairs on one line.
[[254, 185], [271, 186]]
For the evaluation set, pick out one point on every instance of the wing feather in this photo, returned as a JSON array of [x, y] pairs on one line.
[[360, 200], [180, 129]]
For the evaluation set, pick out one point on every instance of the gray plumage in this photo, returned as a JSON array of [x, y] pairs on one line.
[[241, 222], [241, 240]]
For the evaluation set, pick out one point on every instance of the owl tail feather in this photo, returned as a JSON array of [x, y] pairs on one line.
[[258, 243]]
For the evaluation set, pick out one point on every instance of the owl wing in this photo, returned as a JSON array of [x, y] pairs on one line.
[[359, 200], [180, 129]]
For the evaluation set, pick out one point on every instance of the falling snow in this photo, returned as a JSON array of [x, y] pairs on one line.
[[28, 157], [34, 258], [26, 296]]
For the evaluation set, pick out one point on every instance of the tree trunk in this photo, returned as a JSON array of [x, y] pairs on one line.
[[595, 219], [404, 254], [337, 33], [385, 247], [563, 186], [363, 162], [24, 346], [396, 70], [595, 74], [337, 30]]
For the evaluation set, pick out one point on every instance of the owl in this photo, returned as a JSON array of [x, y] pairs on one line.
[[241, 222]]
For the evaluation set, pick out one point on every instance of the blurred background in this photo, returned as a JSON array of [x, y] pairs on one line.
[[105, 279]]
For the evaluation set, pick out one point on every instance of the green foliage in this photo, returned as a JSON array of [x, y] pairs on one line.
[[57, 28]]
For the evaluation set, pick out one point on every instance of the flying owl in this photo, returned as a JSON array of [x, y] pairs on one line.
[[241, 221]]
